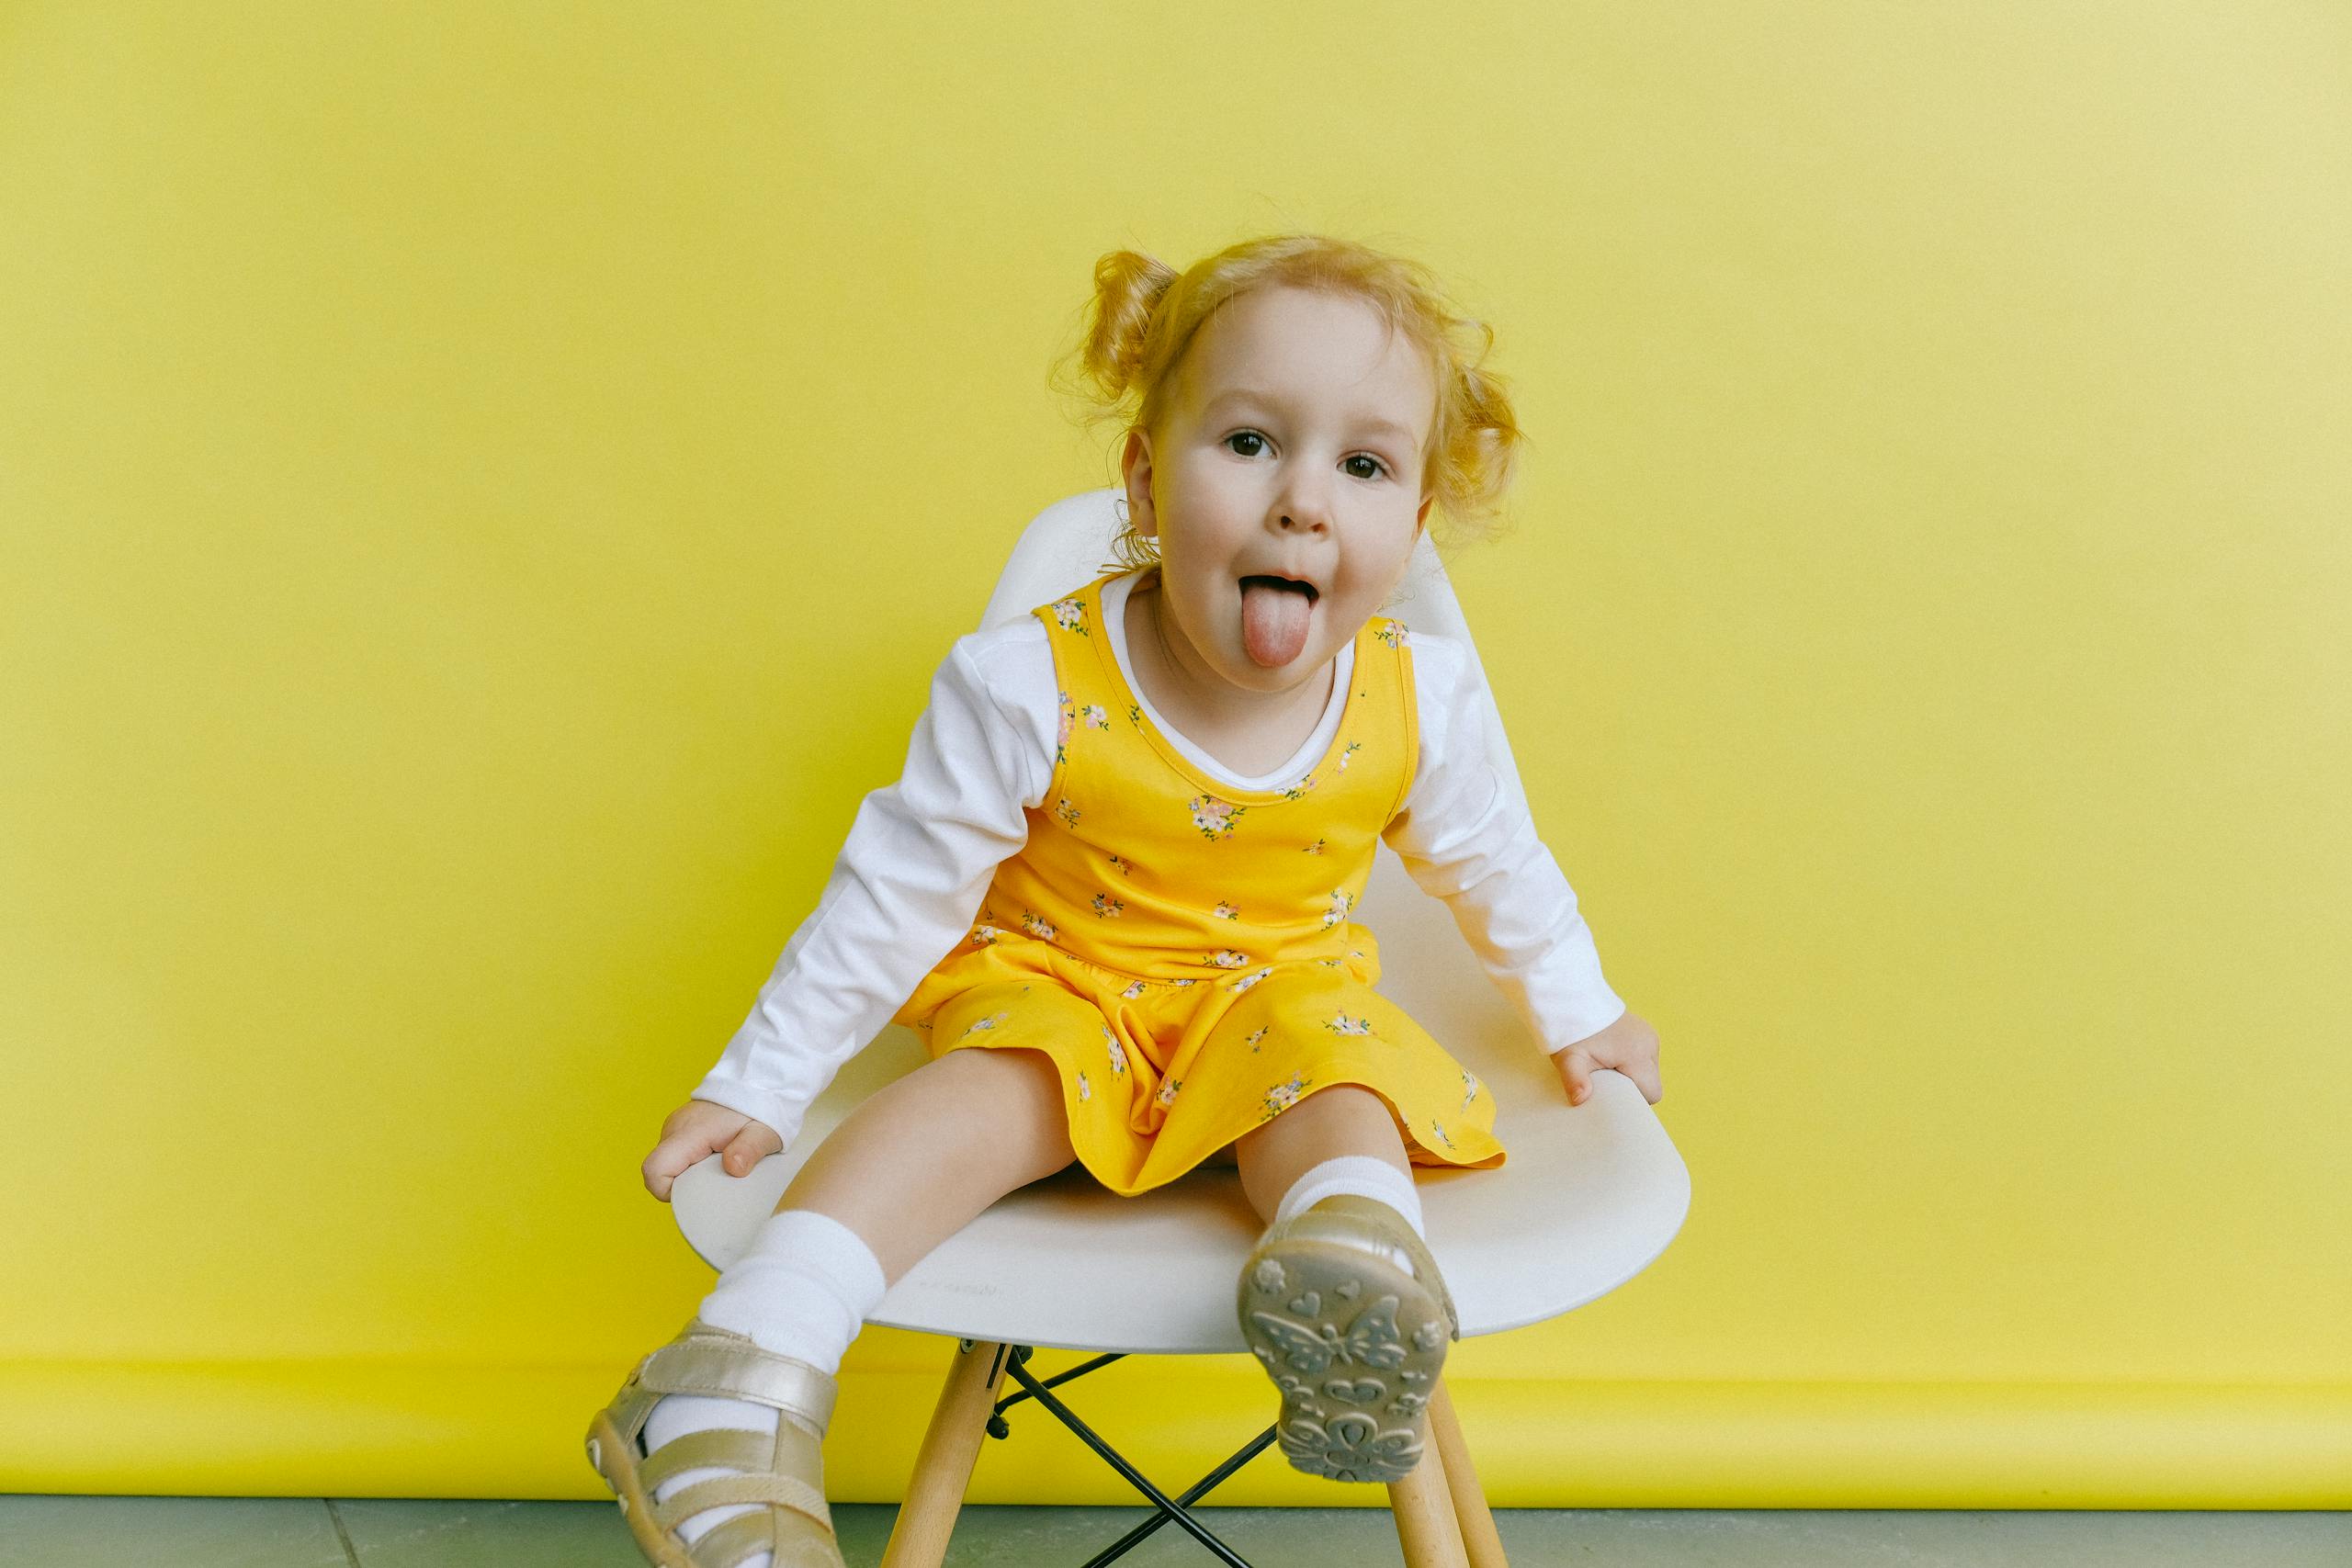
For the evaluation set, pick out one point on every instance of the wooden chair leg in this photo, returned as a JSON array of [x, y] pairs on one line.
[[950, 1449], [1424, 1512], [1480, 1537]]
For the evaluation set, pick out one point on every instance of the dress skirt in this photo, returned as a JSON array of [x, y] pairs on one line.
[[1159, 1075]]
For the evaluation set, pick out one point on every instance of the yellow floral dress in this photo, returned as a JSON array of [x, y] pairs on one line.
[[1183, 949]]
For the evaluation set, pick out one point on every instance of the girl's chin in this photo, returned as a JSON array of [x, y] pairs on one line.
[[1270, 678]]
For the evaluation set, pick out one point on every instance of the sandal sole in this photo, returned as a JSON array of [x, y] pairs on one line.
[[1355, 1344], [659, 1547]]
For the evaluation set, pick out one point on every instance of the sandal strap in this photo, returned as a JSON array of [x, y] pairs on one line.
[[788, 1491], [1355, 1213], [711, 1362], [730, 1446], [793, 1451], [728, 1545]]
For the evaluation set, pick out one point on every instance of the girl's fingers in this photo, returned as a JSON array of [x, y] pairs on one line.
[[1576, 1070], [747, 1150], [658, 1176], [668, 1161]]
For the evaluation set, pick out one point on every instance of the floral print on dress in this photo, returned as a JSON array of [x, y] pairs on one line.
[[1469, 1087], [1213, 817], [1177, 920], [1393, 632], [1282, 1097]]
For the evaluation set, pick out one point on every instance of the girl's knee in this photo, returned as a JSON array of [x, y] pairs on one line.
[[1350, 1101], [1014, 1092], [1348, 1117], [1016, 1071]]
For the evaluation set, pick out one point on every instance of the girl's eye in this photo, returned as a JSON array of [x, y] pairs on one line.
[[1379, 468]]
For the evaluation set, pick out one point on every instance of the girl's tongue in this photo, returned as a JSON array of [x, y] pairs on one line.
[[1273, 620]]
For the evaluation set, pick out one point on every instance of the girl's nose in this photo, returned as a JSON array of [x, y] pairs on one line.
[[1301, 510]]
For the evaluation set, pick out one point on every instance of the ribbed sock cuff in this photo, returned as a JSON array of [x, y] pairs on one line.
[[1366, 1175], [803, 1289]]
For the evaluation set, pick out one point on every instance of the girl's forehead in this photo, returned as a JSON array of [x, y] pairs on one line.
[[1288, 347]]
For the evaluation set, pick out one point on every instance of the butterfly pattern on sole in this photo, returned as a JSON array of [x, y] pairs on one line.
[[1355, 1345]]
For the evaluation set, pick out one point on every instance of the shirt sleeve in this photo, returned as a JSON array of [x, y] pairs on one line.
[[1463, 840], [918, 860]]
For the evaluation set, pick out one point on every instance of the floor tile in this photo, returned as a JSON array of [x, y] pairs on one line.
[[541, 1536], [42, 1530], [45, 1531], [398, 1532]]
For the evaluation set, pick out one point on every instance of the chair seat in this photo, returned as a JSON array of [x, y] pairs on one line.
[[1588, 1196]]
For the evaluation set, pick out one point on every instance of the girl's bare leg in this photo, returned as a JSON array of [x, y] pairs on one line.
[[922, 1156], [1342, 1119]]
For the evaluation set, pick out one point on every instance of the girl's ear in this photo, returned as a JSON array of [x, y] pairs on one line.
[[1134, 466]]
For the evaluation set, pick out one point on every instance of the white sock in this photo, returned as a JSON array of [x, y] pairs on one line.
[[1365, 1175], [803, 1290]]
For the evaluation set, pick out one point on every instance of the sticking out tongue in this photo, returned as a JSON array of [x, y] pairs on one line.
[[1273, 620]]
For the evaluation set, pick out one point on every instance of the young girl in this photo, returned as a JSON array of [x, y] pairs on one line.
[[1111, 891]]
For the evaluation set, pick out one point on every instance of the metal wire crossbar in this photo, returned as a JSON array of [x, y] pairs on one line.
[[1166, 1507]]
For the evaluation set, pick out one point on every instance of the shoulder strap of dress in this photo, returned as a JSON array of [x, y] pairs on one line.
[[1400, 647]]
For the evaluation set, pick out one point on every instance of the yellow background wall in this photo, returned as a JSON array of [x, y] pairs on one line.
[[449, 460]]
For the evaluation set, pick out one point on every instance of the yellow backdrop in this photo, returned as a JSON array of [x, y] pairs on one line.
[[484, 489]]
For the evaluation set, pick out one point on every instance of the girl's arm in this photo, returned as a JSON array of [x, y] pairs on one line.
[[902, 893], [1463, 840]]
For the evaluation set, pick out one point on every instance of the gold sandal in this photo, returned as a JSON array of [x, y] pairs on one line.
[[786, 1471], [1346, 1310]]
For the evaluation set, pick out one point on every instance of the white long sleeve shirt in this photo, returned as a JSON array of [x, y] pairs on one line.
[[921, 852]]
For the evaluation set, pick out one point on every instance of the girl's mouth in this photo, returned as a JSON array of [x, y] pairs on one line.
[[1291, 583], [1275, 613]]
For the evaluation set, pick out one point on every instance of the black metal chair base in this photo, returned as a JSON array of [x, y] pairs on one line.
[[1168, 1507]]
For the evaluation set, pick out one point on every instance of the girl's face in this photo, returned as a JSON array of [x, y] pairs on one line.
[[1291, 450]]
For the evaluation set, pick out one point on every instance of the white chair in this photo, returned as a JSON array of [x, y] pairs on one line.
[[1589, 1196]]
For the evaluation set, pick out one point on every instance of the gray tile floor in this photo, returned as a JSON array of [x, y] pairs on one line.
[[45, 1531]]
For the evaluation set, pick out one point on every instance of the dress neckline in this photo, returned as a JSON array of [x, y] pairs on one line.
[[1111, 604]]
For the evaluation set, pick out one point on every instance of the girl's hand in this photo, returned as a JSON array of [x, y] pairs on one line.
[[1628, 1045], [697, 1128]]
